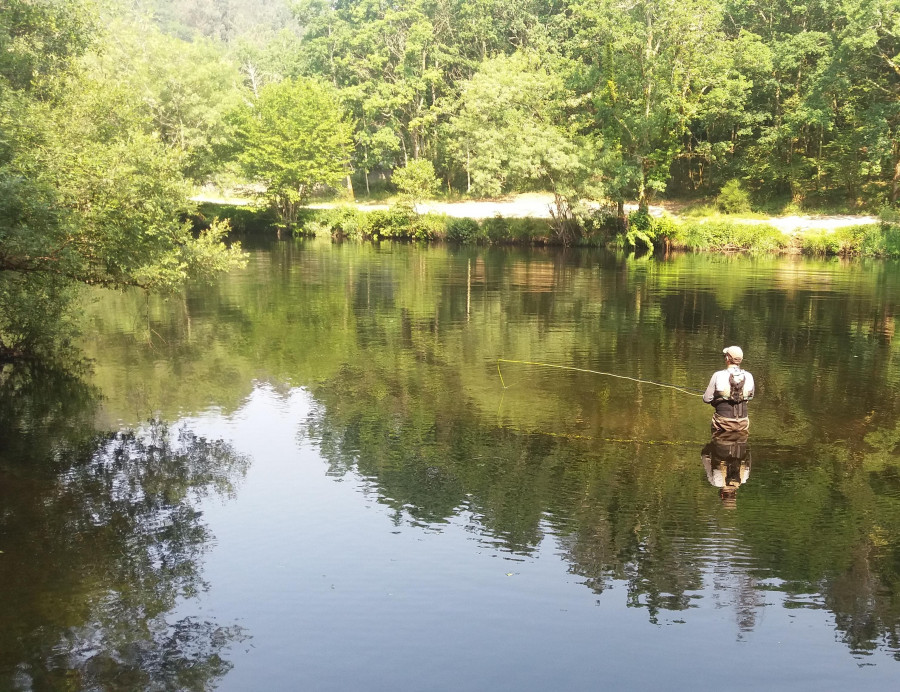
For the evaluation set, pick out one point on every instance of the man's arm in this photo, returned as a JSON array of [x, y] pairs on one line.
[[710, 389]]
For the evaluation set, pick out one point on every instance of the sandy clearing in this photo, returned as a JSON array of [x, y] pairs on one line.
[[537, 206], [798, 224]]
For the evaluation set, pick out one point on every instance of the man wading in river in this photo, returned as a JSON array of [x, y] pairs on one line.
[[729, 391]]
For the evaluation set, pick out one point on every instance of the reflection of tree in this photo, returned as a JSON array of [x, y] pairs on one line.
[[45, 413], [101, 539], [398, 346], [608, 507], [624, 511]]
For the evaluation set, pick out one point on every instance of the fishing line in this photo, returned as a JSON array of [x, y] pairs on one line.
[[619, 440], [593, 372]]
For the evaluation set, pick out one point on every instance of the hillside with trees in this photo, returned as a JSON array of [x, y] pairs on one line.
[[796, 101]]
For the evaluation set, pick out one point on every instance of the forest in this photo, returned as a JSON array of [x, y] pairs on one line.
[[113, 113], [617, 99]]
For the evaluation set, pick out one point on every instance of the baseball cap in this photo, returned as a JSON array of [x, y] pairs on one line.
[[737, 355]]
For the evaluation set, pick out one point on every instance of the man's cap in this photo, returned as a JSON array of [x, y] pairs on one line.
[[735, 352]]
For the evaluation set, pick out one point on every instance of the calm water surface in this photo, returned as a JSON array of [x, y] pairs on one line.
[[309, 476]]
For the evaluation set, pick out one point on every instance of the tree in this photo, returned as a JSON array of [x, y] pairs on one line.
[[642, 69], [416, 181], [90, 192], [510, 131], [183, 88], [290, 139], [39, 38], [398, 65], [864, 79]]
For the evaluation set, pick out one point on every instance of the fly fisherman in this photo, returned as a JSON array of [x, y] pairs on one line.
[[729, 391]]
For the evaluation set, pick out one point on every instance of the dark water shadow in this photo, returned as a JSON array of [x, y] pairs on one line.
[[101, 540]]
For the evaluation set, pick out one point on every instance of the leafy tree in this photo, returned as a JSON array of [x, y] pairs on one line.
[[183, 89], [643, 70], [290, 139], [223, 20], [733, 198], [864, 79], [91, 195], [398, 66], [731, 111], [510, 128], [39, 38], [416, 181]]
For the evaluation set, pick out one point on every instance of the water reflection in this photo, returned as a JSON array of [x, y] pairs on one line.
[[101, 541], [726, 460], [398, 345]]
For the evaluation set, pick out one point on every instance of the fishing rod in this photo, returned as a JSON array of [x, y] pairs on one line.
[[593, 372]]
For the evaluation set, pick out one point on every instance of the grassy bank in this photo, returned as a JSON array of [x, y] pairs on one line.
[[869, 240], [642, 232]]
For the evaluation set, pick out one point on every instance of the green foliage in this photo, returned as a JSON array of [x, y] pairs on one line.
[[396, 223], [733, 198], [510, 131], [183, 88], [90, 193], [41, 38], [398, 65], [416, 181], [346, 222], [641, 232], [643, 71], [583, 96], [727, 236], [242, 219], [464, 231], [500, 230], [889, 215], [225, 20], [292, 138], [870, 240]]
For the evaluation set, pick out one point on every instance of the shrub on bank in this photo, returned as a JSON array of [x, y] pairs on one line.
[[645, 232], [464, 231], [500, 229], [870, 240], [725, 236], [733, 198], [642, 232], [243, 219]]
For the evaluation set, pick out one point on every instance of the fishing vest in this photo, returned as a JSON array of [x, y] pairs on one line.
[[733, 391]]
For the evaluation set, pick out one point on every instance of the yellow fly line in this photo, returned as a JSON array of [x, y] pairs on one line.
[[593, 372], [619, 440]]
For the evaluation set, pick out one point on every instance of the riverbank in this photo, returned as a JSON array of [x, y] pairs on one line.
[[538, 205], [528, 219]]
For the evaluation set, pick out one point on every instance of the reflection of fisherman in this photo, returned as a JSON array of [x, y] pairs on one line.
[[728, 391], [726, 458]]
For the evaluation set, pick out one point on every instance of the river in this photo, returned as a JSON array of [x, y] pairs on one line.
[[310, 475]]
